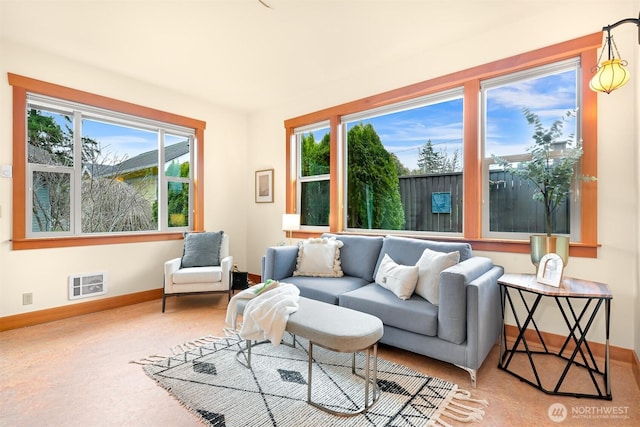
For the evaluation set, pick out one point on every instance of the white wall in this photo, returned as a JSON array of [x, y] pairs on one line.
[[131, 267], [260, 139], [556, 22]]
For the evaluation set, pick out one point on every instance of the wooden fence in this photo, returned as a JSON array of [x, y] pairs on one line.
[[416, 194], [510, 199]]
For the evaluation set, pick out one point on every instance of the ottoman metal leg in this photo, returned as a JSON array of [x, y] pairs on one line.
[[367, 380], [247, 350]]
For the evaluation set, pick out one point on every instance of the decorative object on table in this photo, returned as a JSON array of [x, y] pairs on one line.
[[207, 380], [264, 186], [611, 73], [290, 222], [550, 270], [551, 170]]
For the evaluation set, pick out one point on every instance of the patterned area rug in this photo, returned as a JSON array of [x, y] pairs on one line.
[[206, 378]]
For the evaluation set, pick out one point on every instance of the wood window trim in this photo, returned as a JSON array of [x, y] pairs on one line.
[[23, 85], [585, 47]]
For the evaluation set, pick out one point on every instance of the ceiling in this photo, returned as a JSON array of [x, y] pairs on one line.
[[238, 53]]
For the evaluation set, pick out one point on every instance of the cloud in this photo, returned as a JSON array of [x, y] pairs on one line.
[[125, 146]]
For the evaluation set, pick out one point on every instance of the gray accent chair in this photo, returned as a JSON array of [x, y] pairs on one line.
[[461, 330]]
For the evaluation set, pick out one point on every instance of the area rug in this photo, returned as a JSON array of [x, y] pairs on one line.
[[205, 377]]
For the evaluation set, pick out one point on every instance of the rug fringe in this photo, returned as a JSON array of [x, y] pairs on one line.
[[179, 349], [150, 360], [456, 410], [229, 332], [190, 345]]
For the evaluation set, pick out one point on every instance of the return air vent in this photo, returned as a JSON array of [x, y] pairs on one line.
[[87, 285]]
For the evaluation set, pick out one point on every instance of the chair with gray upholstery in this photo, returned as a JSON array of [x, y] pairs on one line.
[[205, 267]]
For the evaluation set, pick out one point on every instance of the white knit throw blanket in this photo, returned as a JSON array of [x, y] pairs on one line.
[[265, 315]]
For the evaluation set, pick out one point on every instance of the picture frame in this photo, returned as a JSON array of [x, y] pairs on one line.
[[264, 186], [550, 270]]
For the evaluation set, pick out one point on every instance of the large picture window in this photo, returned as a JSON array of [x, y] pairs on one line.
[[404, 166], [419, 160], [550, 93], [91, 173]]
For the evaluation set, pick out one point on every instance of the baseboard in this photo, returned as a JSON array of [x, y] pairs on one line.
[[554, 342], [636, 368], [255, 278], [57, 313]]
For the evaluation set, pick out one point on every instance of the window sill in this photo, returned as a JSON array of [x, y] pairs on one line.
[[581, 250], [65, 242]]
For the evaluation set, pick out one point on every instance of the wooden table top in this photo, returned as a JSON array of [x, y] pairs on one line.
[[569, 287]]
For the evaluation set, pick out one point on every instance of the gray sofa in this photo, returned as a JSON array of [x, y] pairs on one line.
[[461, 330]]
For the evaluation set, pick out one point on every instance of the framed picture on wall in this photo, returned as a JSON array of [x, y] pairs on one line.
[[264, 186]]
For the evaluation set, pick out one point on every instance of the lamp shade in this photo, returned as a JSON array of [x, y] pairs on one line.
[[610, 76], [290, 222]]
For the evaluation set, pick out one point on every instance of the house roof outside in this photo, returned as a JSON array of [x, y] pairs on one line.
[[141, 161]]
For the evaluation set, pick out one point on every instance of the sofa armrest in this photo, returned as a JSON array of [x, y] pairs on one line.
[[484, 316], [227, 265], [279, 262], [452, 311], [171, 267]]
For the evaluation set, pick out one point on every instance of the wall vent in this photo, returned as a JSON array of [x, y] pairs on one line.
[[87, 285]]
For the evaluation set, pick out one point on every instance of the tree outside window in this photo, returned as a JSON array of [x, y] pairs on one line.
[[118, 175]]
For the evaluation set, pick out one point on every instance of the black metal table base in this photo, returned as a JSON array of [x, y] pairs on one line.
[[574, 321]]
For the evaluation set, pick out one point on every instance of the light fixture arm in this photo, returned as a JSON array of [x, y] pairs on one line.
[[636, 21]]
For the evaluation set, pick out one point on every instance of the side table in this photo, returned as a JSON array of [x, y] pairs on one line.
[[239, 280], [578, 322]]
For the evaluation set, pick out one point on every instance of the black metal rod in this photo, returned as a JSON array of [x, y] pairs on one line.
[[636, 21]]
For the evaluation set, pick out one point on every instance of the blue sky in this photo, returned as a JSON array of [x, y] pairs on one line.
[[118, 141], [506, 132], [403, 133]]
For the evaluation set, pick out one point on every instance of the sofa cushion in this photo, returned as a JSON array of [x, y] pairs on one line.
[[414, 314], [430, 265], [319, 257], [359, 254], [399, 279], [407, 251], [325, 289], [197, 275], [201, 249]]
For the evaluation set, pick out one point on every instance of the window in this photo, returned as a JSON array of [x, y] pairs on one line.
[[461, 118], [94, 170], [312, 142], [404, 166], [550, 92]]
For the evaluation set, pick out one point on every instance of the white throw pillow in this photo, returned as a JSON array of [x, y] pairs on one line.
[[319, 257], [430, 265], [399, 279]]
